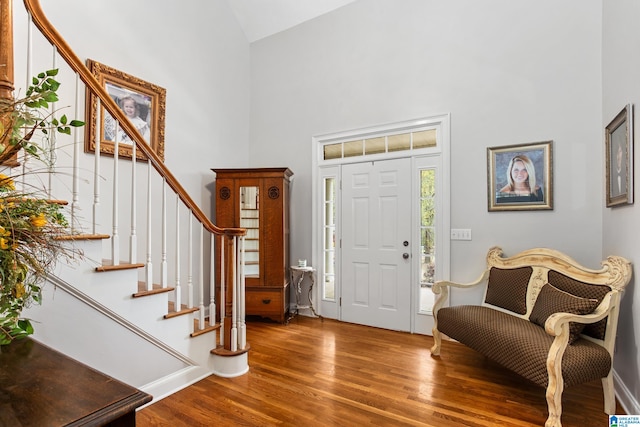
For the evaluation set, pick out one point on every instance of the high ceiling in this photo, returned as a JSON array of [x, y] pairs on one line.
[[262, 18]]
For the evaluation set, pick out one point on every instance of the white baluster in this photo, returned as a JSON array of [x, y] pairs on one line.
[[178, 286], [96, 171], [52, 137], [149, 265], [201, 279], [222, 289], [28, 76], [234, 288], [29, 49], [133, 238], [212, 281], [190, 263], [164, 280], [115, 236], [242, 328], [75, 197]]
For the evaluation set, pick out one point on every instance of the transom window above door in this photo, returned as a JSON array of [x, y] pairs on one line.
[[407, 141]]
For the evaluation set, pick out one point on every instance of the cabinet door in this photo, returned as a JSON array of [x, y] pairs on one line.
[[225, 203], [275, 235], [250, 216]]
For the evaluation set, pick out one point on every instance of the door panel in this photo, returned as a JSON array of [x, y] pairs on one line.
[[376, 279]]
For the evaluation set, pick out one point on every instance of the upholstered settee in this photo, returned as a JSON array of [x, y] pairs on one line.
[[543, 316]]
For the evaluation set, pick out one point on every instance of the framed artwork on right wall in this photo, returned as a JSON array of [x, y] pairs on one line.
[[619, 158]]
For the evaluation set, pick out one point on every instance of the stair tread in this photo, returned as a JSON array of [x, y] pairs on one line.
[[156, 289], [107, 265], [207, 327], [221, 351], [183, 310], [83, 237]]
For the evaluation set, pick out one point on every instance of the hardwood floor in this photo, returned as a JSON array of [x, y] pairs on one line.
[[328, 373]]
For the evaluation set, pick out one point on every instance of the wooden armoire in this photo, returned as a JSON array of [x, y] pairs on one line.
[[258, 200]]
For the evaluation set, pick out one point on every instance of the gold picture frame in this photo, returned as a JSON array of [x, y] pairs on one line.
[[146, 100], [511, 170], [619, 158]]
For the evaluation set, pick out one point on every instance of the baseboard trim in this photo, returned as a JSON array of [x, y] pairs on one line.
[[624, 396], [174, 382]]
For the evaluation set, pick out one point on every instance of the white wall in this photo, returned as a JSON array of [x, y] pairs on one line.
[[508, 72], [195, 50], [621, 64]]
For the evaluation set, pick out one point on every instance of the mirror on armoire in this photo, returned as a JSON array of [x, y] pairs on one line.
[[250, 219]]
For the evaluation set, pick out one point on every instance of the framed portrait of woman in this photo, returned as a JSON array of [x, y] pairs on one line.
[[520, 177], [619, 158]]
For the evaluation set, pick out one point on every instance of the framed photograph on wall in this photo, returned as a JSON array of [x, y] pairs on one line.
[[619, 158], [520, 177], [142, 102]]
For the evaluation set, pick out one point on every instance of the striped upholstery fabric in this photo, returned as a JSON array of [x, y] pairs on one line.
[[520, 345], [583, 290], [508, 288]]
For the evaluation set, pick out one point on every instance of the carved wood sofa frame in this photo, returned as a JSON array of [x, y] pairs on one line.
[[546, 266]]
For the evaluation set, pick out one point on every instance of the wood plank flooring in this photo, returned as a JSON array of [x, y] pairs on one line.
[[328, 373]]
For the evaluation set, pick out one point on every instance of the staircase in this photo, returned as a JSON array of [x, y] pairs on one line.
[[102, 318], [155, 324]]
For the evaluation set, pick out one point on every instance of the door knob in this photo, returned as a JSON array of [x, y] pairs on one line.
[[405, 255], [405, 243]]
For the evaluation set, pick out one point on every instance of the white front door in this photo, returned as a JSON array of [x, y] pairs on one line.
[[376, 246]]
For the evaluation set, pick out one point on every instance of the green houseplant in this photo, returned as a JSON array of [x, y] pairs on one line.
[[30, 223]]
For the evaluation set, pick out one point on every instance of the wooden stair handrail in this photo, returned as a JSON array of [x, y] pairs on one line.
[[50, 33]]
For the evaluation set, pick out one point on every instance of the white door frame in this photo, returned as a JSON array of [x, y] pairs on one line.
[[321, 168]]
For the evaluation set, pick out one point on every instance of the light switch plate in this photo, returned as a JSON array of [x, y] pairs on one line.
[[460, 234]]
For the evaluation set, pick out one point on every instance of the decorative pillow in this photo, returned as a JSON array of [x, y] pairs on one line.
[[507, 288], [553, 300], [584, 290]]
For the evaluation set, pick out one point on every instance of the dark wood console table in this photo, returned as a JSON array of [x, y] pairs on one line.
[[41, 387]]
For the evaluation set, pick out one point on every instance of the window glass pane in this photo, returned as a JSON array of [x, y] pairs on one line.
[[329, 189], [428, 185], [427, 238], [399, 142], [428, 270], [374, 146], [329, 207], [427, 211], [427, 241], [353, 148], [330, 287], [425, 138], [332, 151], [329, 214], [329, 237], [329, 258]]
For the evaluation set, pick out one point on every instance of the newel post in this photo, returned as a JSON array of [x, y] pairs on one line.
[[228, 283], [8, 155], [6, 51]]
